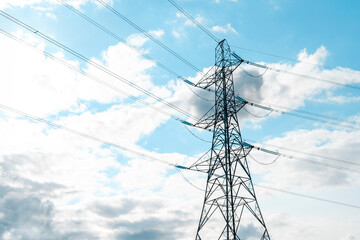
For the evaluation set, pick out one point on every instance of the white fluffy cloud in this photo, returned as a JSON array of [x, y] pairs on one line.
[[270, 87], [70, 181], [188, 22], [18, 3], [36, 87], [47, 93], [23, 3], [338, 144], [65, 175], [224, 29]]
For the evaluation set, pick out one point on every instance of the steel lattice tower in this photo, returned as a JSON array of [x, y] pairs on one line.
[[230, 210]]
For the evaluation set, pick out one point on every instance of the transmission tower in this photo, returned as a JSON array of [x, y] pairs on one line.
[[230, 210]]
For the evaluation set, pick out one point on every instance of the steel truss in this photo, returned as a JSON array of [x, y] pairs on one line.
[[230, 209]]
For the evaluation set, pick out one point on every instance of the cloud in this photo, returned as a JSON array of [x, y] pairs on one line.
[[339, 99], [188, 22], [109, 211], [73, 183], [291, 172], [66, 90], [146, 234], [35, 3], [153, 225], [291, 91], [250, 231], [176, 34], [18, 3], [137, 40], [224, 29], [42, 9], [348, 237], [274, 4], [20, 214], [51, 15], [78, 168], [268, 87], [36, 81], [157, 33], [180, 32]]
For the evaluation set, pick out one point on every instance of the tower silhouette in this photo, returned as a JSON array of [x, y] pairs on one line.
[[230, 209]]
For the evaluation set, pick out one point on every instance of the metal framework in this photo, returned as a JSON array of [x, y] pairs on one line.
[[230, 210]]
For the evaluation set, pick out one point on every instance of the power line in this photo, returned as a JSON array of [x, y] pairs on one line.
[[117, 13], [304, 112], [297, 113], [292, 157], [92, 77], [198, 95], [115, 36], [193, 134], [257, 116], [194, 21], [262, 163], [148, 156], [288, 58], [212, 36], [98, 66], [277, 190], [338, 122], [306, 153], [263, 66], [117, 146], [251, 75], [188, 181], [308, 196], [81, 134]]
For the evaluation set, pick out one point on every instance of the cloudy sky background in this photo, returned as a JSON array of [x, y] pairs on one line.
[[56, 185]]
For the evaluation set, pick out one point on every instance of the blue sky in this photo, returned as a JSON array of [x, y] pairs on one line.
[[61, 179]]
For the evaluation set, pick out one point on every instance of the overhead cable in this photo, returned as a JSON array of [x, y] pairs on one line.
[[263, 66], [257, 116], [290, 59], [251, 75], [285, 109], [338, 122], [262, 163], [120, 15], [201, 139], [188, 181], [292, 157], [81, 134], [308, 196], [306, 153], [303, 114], [94, 78], [93, 63], [212, 36], [198, 95], [117, 146], [194, 21], [277, 190], [112, 34]]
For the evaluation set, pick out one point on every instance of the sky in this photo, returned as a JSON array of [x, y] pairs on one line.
[[57, 185]]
